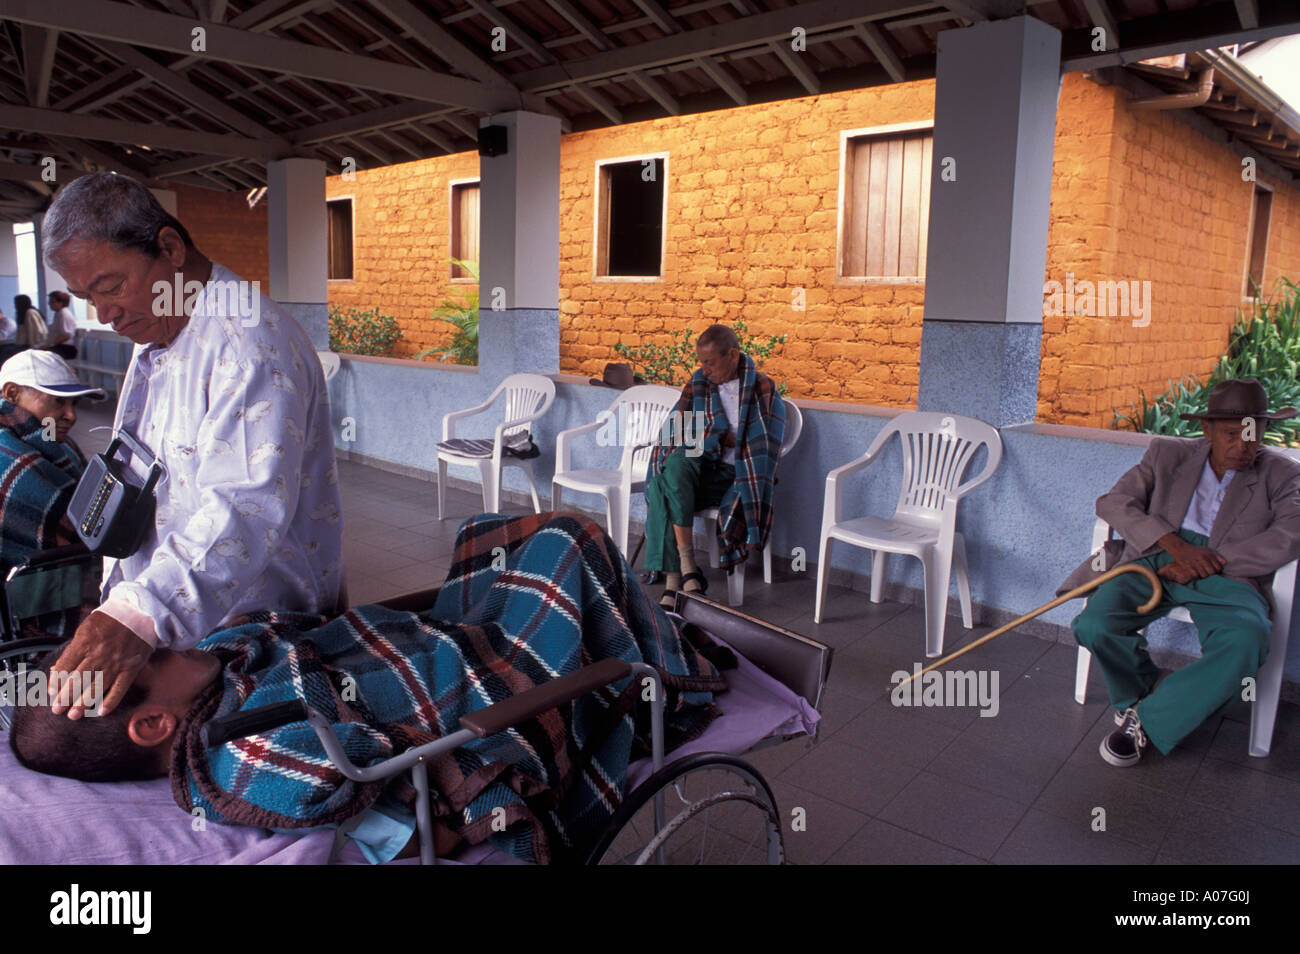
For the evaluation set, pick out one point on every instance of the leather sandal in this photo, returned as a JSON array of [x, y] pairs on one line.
[[695, 577], [669, 599]]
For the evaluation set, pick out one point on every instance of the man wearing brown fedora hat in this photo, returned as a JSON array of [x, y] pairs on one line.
[[618, 375], [1215, 517]]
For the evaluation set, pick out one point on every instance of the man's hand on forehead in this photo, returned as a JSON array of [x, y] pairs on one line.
[[101, 644]]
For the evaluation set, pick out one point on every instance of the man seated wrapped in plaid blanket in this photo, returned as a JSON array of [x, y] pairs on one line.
[[39, 468], [528, 599]]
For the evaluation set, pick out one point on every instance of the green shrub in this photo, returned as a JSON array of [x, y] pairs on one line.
[[1265, 345], [461, 314], [353, 331], [674, 363]]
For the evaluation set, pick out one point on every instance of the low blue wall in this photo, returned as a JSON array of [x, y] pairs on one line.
[[100, 348], [1026, 529]]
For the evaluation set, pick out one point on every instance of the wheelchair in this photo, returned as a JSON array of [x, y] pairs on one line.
[[704, 808], [34, 590]]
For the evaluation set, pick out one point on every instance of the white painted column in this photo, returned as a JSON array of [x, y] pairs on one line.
[[519, 248], [298, 252], [167, 199], [8, 268], [997, 85]]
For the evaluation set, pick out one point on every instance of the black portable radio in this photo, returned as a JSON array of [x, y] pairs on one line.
[[110, 509]]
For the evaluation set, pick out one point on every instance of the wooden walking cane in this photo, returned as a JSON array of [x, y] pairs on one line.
[[1157, 591]]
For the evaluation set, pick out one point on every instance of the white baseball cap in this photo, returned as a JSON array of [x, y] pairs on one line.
[[45, 371]]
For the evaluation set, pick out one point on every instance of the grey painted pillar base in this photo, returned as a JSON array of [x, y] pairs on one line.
[[980, 369], [518, 340], [314, 318]]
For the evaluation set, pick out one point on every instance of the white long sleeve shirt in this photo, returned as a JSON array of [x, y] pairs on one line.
[[249, 514]]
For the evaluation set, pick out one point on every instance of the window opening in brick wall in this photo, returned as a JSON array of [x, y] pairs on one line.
[[464, 226], [1257, 242], [886, 208], [630, 218], [340, 238]]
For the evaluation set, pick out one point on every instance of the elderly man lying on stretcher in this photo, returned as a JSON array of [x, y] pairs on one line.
[[527, 599]]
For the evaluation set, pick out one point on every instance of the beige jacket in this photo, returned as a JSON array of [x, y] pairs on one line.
[[1257, 530]]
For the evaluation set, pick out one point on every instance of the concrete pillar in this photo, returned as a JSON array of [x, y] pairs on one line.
[[996, 93], [519, 249], [8, 268], [47, 279], [298, 254], [167, 199]]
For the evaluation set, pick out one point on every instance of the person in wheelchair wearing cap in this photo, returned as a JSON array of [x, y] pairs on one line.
[[39, 469]]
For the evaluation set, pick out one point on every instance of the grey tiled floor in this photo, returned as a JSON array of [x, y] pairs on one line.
[[890, 785]]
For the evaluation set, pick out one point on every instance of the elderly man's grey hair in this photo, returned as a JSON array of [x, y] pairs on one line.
[[104, 207], [718, 337]]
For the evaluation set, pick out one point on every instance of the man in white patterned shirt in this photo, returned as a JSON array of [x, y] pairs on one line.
[[227, 390]]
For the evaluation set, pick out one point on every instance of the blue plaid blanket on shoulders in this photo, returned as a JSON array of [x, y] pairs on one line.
[[37, 478], [528, 599], [746, 511]]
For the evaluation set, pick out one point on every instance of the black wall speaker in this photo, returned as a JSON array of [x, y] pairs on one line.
[[491, 140]]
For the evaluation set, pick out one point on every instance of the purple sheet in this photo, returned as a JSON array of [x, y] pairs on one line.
[[46, 820]]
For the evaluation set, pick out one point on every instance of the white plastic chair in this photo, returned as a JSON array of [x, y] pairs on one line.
[[527, 397], [937, 449], [637, 415], [329, 363], [736, 579], [1268, 681]]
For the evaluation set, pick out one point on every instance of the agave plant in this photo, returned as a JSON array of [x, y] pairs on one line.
[[1264, 344], [462, 314]]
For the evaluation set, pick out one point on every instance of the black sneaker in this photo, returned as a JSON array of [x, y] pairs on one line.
[[1124, 746]]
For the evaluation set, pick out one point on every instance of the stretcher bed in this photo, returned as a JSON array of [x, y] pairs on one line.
[[704, 805]]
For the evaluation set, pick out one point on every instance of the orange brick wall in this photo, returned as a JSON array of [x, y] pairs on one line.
[[401, 218], [752, 208], [1142, 196], [752, 199], [226, 230]]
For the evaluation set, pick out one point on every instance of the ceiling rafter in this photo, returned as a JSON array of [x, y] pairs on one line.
[[751, 31], [163, 31]]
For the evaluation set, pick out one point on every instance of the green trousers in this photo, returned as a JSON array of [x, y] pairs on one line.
[[685, 485], [1231, 619]]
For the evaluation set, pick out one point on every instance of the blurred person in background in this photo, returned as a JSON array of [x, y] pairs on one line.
[[62, 336]]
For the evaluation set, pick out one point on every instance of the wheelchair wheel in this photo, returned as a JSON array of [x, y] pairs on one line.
[[26, 650], [716, 810]]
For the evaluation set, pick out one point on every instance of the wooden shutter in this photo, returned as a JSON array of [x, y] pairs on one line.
[[464, 227], [886, 206], [1258, 243]]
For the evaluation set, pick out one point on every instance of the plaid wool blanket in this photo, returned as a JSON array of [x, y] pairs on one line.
[[745, 514], [37, 478], [528, 599]]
